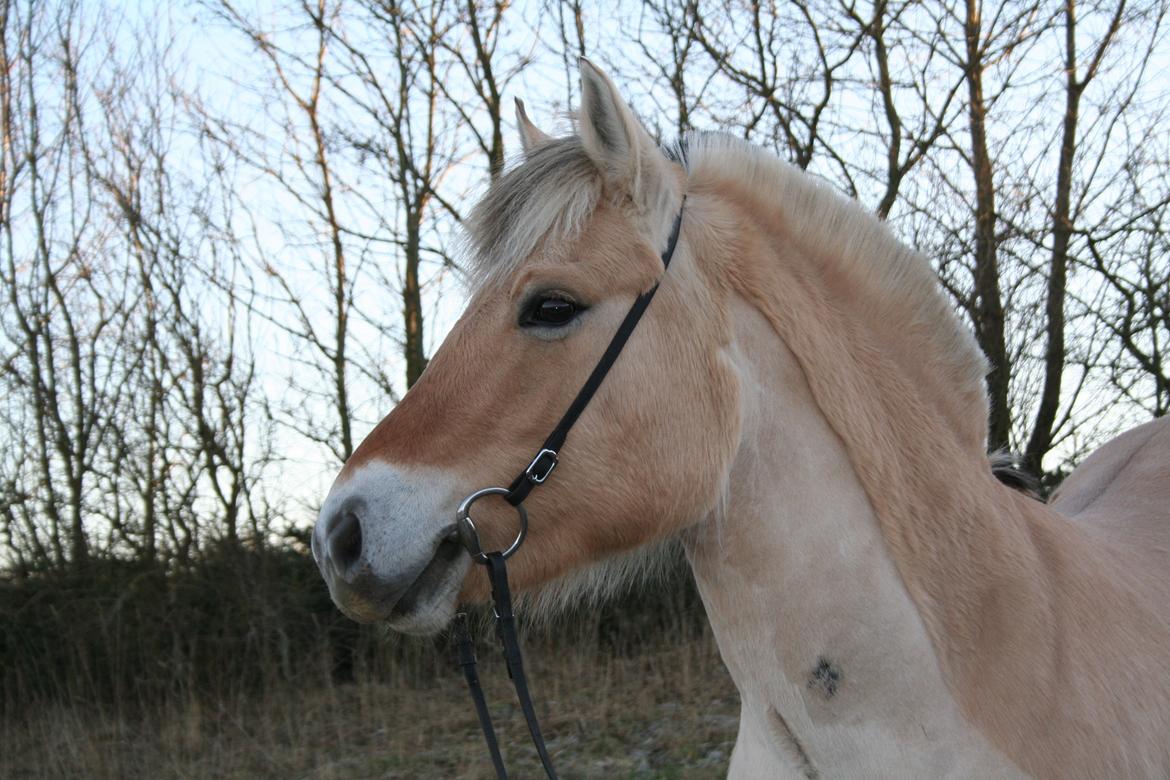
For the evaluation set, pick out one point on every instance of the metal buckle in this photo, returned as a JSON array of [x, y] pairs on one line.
[[536, 477], [469, 537]]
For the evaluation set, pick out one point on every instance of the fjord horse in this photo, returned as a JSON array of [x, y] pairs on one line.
[[801, 408]]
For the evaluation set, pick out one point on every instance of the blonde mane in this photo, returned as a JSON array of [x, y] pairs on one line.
[[895, 283]]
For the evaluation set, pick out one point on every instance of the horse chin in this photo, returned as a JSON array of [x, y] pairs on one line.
[[423, 623]]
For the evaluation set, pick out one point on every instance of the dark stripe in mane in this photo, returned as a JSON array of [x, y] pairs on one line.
[[1007, 470]]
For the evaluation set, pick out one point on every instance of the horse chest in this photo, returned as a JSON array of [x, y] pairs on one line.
[[771, 745], [856, 714], [837, 681]]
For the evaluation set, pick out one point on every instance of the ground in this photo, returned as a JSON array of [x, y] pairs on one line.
[[665, 712]]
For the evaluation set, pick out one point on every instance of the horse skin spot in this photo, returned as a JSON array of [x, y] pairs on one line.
[[825, 678]]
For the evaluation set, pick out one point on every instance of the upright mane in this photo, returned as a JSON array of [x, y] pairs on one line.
[[895, 285]]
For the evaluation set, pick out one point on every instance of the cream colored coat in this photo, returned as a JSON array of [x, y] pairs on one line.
[[803, 410]]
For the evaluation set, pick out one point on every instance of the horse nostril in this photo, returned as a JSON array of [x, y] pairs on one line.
[[345, 539]]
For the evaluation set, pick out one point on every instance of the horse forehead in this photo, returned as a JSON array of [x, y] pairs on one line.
[[606, 251]]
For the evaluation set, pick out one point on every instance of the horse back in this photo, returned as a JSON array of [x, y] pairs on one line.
[[1121, 494]]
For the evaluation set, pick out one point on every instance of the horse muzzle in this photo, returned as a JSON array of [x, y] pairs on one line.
[[387, 554]]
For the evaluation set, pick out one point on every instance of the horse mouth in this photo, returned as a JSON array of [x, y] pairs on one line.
[[428, 603]]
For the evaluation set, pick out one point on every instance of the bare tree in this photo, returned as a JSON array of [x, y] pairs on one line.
[[666, 38], [303, 171], [785, 96], [570, 40], [982, 47], [900, 64], [1063, 220], [404, 140], [66, 300], [479, 62]]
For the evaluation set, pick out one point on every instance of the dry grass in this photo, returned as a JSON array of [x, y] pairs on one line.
[[666, 712]]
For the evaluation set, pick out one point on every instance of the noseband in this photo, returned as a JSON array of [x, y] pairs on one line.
[[536, 474]]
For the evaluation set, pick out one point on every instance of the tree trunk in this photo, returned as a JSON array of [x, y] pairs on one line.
[[988, 308]]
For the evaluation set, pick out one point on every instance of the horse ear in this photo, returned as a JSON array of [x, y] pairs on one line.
[[620, 146], [531, 136]]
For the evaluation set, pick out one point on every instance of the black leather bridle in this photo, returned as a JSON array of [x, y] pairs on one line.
[[537, 472]]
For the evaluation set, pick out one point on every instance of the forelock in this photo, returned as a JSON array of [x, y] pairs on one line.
[[547, 197]]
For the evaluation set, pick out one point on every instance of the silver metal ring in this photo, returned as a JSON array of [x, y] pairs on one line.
[[466, 528]]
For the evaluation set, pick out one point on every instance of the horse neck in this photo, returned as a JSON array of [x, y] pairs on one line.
[[794, 555], [812, 619], [902, 406], [859, 492]]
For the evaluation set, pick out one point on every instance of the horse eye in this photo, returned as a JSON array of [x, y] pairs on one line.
[[551, 312]]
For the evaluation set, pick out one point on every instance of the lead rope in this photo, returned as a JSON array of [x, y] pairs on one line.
[[513, 660], [537, 472], [506, 629], [468, 662]]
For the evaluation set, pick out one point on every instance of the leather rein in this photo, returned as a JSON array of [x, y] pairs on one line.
[[537, 472]]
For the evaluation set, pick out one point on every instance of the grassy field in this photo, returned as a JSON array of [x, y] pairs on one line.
[[661, 712]]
